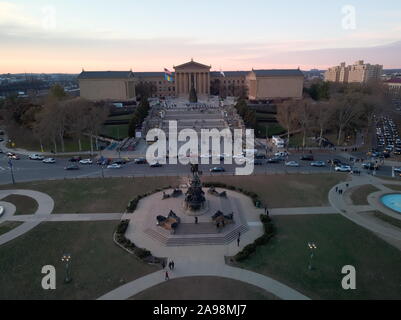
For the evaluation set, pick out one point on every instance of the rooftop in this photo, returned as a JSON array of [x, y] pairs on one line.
[[278, 72], [105, 75]]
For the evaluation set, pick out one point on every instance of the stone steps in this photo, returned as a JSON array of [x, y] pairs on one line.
[[196, 240]]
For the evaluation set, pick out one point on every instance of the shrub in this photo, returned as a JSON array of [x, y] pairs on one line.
[[142, 253]]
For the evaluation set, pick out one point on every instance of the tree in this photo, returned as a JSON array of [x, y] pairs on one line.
[[58, 92], [286, 116], [323, 112], [304, 115]]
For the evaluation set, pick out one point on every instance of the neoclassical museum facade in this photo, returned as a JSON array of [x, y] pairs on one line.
[[258, 84]]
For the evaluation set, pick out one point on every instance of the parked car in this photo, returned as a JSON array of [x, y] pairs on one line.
[[318, 164], [343, 168], [397, 170], [274, 160], [155, 165], [75, 159], [140, 161], [120, 161], [281, 154], [86, 161], [335, 162], [36, 157], [114, 166], [307, 157], [49, 160], [370, 166], [103, 162], [71, 167], [217, 169], [292, 164]]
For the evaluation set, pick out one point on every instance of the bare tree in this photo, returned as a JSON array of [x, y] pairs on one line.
[[323, 113], [286, 116], [304, 116]]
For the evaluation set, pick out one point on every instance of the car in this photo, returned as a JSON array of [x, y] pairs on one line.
[[49, 160], [292, 164], [75, 159], [318, 164], [13, 156], [120, 161], [397, 170], [1, 139], [140, 161], [335, 162], [217, 169], [72, 167], [103, 162], [114, 166], [36, 157], [86, 161], [370, 166], [307, 157], [281, 154], [155, 165], [343, 168], [274, 160]]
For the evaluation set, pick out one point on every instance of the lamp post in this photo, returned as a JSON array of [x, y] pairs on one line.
[[312, 247], [10, 164], [67, 258]]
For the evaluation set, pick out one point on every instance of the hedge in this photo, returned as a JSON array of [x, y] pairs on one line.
[[128, 244], [269, 232], [132, 205]]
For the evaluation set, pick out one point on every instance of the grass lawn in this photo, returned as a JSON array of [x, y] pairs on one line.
[[23, 204], [112, 195], [119, 131], [272, 129], [95, 195], [393, 187], [97, 264], [339, 243], [388, 219], [204, 288], [360, 194], [8, 225], [286, 191]]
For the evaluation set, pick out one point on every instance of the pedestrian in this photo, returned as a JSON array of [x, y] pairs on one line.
[[239, 239], [163, 264], [172, 265], [337, 189], [167, 276], [196, 220], [169, 265], [218, 225], [347, 185], [267, 212]]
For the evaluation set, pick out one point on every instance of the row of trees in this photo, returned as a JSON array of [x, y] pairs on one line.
[[247, 114], [343, 110], [52, 119], [138, 117]]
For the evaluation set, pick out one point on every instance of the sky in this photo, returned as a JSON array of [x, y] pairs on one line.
[[68, 36]]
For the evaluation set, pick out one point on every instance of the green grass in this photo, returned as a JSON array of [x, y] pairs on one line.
[[95, 195], [204, 288], [8, 226], [97, 266], [70, 145], [393, 221], [115, 131], [273, 129], [286, 191], [339, 243], [24, 205], [360, 194]]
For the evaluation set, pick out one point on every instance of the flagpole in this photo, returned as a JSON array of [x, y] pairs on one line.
[[12, 171]]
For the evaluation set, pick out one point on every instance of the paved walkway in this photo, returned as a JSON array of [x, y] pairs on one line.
[[45, 208], [69, 217], [193, 268], [353, 213]]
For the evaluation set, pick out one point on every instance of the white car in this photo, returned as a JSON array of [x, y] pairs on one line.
[[318, 164], [343, 168], [86, 161], [36, 157], [49, 160], [114, 166], [292, 164], [397, 170]]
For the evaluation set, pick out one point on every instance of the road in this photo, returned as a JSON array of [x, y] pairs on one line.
[[26, 170]]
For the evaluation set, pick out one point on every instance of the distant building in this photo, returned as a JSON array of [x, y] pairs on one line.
[[256, 84], [356, 73], [107, 85], [275, 84], [394, 86]]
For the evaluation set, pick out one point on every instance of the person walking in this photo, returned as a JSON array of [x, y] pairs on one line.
[[172, 265], [167, 277], [163, 264], [239, 239], [337, 189], [196, 220]]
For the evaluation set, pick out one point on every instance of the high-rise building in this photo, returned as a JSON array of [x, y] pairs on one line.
[[359, 72]]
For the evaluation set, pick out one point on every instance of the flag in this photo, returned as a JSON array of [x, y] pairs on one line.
[[168, 75]]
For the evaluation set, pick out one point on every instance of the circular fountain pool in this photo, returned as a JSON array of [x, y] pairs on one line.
[[392, 201]]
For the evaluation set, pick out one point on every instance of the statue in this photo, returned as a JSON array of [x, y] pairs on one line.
[[195, 197]]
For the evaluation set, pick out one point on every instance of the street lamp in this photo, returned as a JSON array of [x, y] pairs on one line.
[[67, 258], [312, 247]]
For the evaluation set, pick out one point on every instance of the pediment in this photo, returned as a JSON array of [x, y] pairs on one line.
[[191, 65]]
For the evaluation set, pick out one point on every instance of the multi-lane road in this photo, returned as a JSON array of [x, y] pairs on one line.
[[29, 170]]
